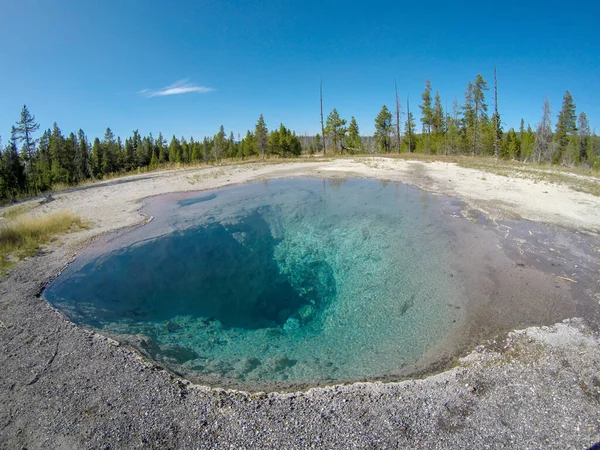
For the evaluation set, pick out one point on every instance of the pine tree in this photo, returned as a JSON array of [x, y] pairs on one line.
[[57, 155], [480, 112], [289, 144], [527, 144], [24, 134], [453, 128], [154, 161], [13, 173], [97, 158], [174, 150], [383, 129], [3, 195], [468, 117], [584, 137], [427, 112], [317, 144], [110, 151], [335, 128], [566, 128], [409, 132], [219, 143], [261, 135], [231, 149], [82, 158], [70, 150], [24, 130], [206, 150], [196, 150], [145, 151], [273, 143], [141, 152], [438, 123], [248, 145], [119, 156], [593, 151], [160, 148], [184, 150], [511, 148], [194, 153], [437, 117], [522, 130], [353, 139], [44, 163]]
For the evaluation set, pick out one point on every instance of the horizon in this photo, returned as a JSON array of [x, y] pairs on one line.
[[188, 69]]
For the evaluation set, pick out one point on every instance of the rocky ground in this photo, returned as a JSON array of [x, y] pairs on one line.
[[62, 386]]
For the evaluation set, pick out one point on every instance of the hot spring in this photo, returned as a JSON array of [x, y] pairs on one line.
[[296, 281]]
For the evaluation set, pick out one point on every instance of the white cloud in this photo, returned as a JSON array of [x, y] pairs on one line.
[[179, 87]]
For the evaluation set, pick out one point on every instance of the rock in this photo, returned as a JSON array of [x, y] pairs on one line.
[[247, 365], [279, 363], [291, 324], [178, 352]]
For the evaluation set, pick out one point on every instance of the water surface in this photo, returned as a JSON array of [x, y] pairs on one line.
[[290, 281]]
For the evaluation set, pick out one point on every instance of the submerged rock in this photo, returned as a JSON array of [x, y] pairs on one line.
[[178, 352]]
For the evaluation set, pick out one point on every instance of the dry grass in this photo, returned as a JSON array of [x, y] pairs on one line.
[[15, 211], [23, 235]]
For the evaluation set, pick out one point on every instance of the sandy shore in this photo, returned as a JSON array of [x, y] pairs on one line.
[[65, 387]]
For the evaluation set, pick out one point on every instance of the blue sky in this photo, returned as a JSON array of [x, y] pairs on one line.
[[92, 64]]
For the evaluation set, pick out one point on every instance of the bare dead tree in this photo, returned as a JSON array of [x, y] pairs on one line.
[[322, 125], [305, 141], [496, 151], [543, 134], [398, 135], [409, 133]]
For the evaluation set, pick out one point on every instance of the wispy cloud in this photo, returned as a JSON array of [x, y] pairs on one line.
[[179, 87]]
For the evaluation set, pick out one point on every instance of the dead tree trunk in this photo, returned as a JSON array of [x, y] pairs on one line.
[[409, 125], [496, 151], [398, 135], [322, 125]]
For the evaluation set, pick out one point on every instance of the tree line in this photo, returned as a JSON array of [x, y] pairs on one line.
[[32, 164], [469, 129]]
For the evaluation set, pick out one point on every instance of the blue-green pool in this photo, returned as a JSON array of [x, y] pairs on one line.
[[303, 281]]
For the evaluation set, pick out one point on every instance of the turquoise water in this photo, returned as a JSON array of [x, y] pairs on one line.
[[290, 281]]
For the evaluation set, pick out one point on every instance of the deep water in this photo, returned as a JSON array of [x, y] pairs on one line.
[[295, 281]]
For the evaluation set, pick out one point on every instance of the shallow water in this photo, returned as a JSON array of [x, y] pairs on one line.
[[290, 281]]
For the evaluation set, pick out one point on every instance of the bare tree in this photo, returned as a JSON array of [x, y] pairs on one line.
[[543, 134], [496, 117], [398, 135], [408, 129], [322, 124]]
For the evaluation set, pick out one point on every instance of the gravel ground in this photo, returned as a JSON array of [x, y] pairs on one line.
[[62, 386]]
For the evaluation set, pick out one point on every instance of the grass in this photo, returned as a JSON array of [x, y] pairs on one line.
[[18, 210], [23, 235]]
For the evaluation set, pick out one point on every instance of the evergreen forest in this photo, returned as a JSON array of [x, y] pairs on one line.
[[34, 162]]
